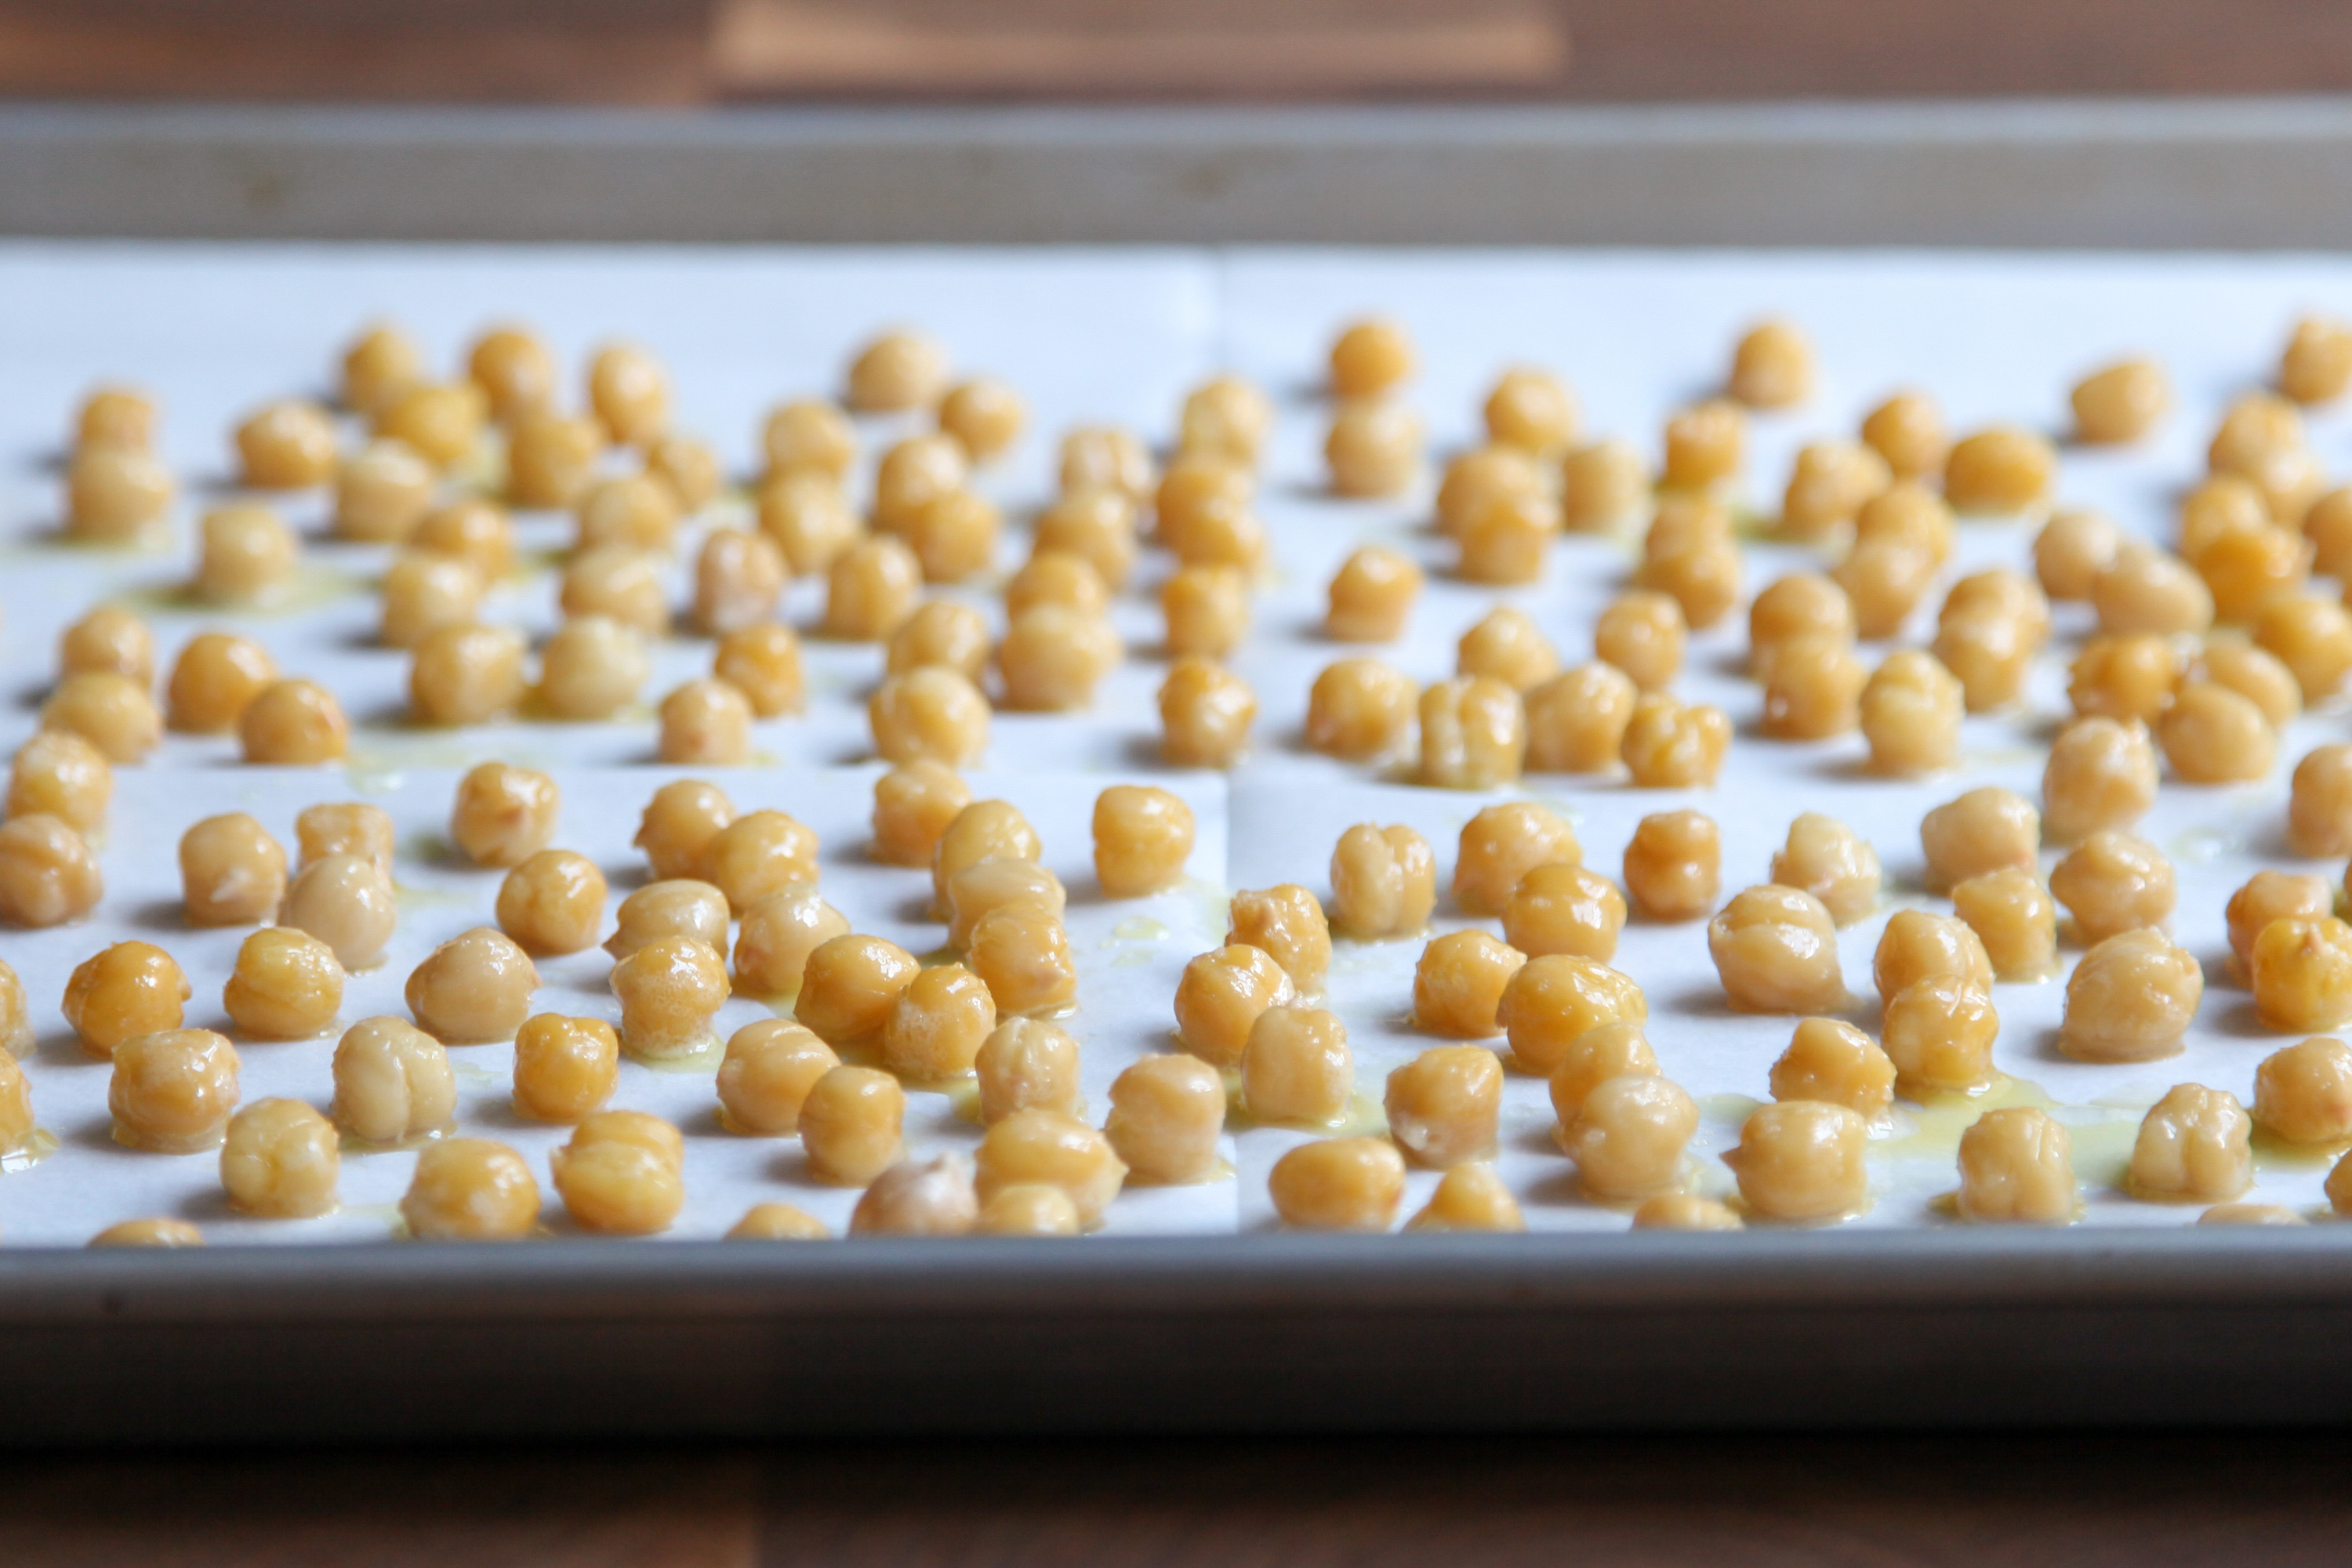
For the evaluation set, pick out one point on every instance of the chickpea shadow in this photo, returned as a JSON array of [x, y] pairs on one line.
[[2243, 1021], [98, 1132], [157, 914], [1142, 752], [915, 910], [207, 1204], [789, 1164], [62, 1048]]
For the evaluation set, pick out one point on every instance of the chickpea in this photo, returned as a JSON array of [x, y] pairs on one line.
[[1991, 653], [2271, 896], [629, 391], [503, 814], [778, 1222], [2221, 505], [1501, 845], [1825, 857], [1359, 709], [850, 1123], [2074, 548], [1706, 444], [1939, 1035], [618, 585], [1681, 1211], [594, 667], [280, 1159], [1776, 951], [2120, 403], [930, 713], [382, 492], [1040, 1146], [1984, 830], [1371, 596], [1165, 1116], [1907, 430], [1225, 416], [1106, 458], [1205, 714], [2247, 571], [1458, 984], [1802, 1160], [48, 875], [2211, 734], [2145, 590], [1371, 356], [348, 827], [1339, 1184], [2101, 774], [2301, 974], [847, 986], [870, 587], [1674, 866], [1220, 997], [1206, 609], [172, 1091], [1564, 908], [679, 824], [1602, 485], [346, 901], [129, 989], [551, 459], [1060, 577], [1772, 367], [1022, 954], [116, 416], [670, 989], [213, 678], [292, 723], [954, 535], [2113, 882], [392, 1082], [2130, 677], [812, 434], [2001, 469], [1669, 745], [1052, 659], [1803, 604], [911, 475], [622, 1173], [1444, 1106], [912, 807], [2017, 1167], [780, 932], [1812, 689], [632, 511], [1383, 883], [936, 1025], [565, 1070], [737, 578], [552, 903], [985, 417], [2313, 639], [2317, 364], [472, 989], [424, 590], [156, 1232], [1373, 449], [2193, 1146], [758, 854], [1031, 1209], [2130, 999], [109, 641], [460, 675], [1553, 1002], [2257, 432], [919, 1197], [1503, 538], [286, 986], [1472, 733], [1210, 523], [57, 774], [1910, 714], [1142, 837], [1833, 1061], [1828, 484], [112, 712], [706, 722], [1885, 582], [2303, 1094], [899, 371], [1628, 1136], [116, 495], [2328, 526], [1296, 1070], [2014, 918], [17, 1037], [514, 371], [770, 1067], [1028, 1062], [470, 1189], [1703, 577], [984, 831], [1917, 946], [2254, 674], [1469, 1198], [1096, 525], [687, 467], [1508, 645], [808, 518]]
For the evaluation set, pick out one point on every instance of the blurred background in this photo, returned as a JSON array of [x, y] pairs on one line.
[[690, 52]]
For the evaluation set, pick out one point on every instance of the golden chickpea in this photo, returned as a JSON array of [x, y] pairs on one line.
[[1459, 983], [1984, 830], [2319, 810], [1359, 709], [1628, 1136], [984, 831], [1339, 1184], [1096, 525], [1508, 645], [1803, 604], [621, 1173], [1885, 581], [1802, 1160], [1219, 999], [780, 932], [216, 675], [2013, 916], [1501, 845], [112, 712], [758, 854], [1812, 689], [502, 814], [1833, 1061], [2101, 774], [1825, 857], [392, 1082], [1503, 538], [57, 774], [2001, 469], [1371, 356], [348, 827], [763, 663], [2248, 570], [1031, 1209], [1383, 883], [552, 903], [109, 641], [2255, 429], [1444, 1106], [931, 712], [2328, 526], [1060, 577], [954, 535], [1531, 410], [47, 874], [2312, 637], [172, 1091], [1910, 713], [156, 1232], [2271, 896], [1022, 954], [850, 1125], [1205, 714], [1041, 1146], [912, 807], [346, 901], [1297, 1068], [1991, 653], [1576, 720], [2017, 1167], [565, 1070], [1469, 1198], [594, 667], [2254, 674], [1703, 577], [2212, 734], [116, 495], [778, 1222], [472, 989], [1473, 734], [706, 722], [1143, 835], [897, 371], [1706, 444], [629, 391], [1772, 367], [1373, 449], [847, 986], [129, 989], [1564, 908], [514, 370], [679, 824], [1602, 485], [674, 907], [1225, 416], [632, 511], [1204, 511], [2130, 677], [441, 423], [737, 578], [2303, 1094], [936, 1025], [2301, 974], [116, 416], [870, 588], [1165, 1116], [911, 475], [811, 435], [382, 492], [470, 1189], [1670, 744], [1106, 458], [1206, 610], [808, 518], [1561, 1013], [2222, 504], [985, 416], [1028, 1062], [618, 585], [424, 590], [2193, 1146], [460, 675], [1643, 635], [280, 1159], [1940, 1034], [770, 1067], [1286, 923], [1830, 483], [1052, 659], [1681, 1211], [2121, 402], [1776, 951], [2130, 999], [1917, 945], [286, 986], [686, 468], [2145, 590], [2113, 882], [669, 990], [1674, 866], [2317, 364], [2072, 550], [551, 459]]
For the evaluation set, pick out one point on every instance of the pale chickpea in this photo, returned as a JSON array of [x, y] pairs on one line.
[[1628, 1136], [1576, 720], [2130, 999], [17, 1035], [116, 495], [669, 989], [1142, 836], [47, 874], [1022, 954], [1674, 866], [737, 578], [2317, 363], [705, 722], [1444, 1106], [470, 1189], [1167, 1114], [552, 458], [622, 1173], [770, 1068], [1910, 713], [847, 986], [618, 585], [850, 1125], [1803, 604], [1297, 1068], [931, 712], [2070, 552], [552, 903], [1939, 1033], [2101, 774], [1509, 646], [2121, 402], [1469, 1198], [2270, 896], [565, 1070], [1802, 1160], [346, 901], [286, 986], [2145, 590], [392, 1082], [1025, 1063], [502, 814], [515, 371], [1225, 416], [1670, 744], [2193, 1147], [1500, 845], [936, 1025], [2017, 1167], [1036, 1145], [778, 1222], [808, 518], [1219, 998], [460, 675], [472, 989], [1339, 1184], [1504, 538], [1776, 951], [156, 1232], [216, 675], [1683, 1211], [1373, 449], [632, 511], [1383, 883], [1473, 734], [896, 372], [382, 492], [912, 807], [128, 989], [1052, 659], [57, 774], [1458, 984], [1106, 458], [779, 934], [1991, 653], [1885, 581], [1480, 476], [1371, 356], [2126, 677], [1832, 1061], [280, 1159], [1206, 610], [983, 830], [1706, 444], [1360, 710], [2015, 919], [1812, 687], [111, 711], [677, 907], [919, 1197], [629, 391], [2258, 676], [758, 854], [2113, 882], [1060, 577], [116, 416], [2301, 974], [1552, 1003], [171, 1092], [1825, 857], [1564, 908], [2312, 637], [2328, 526], [2212, 734], [954, 535], [870, 587], [1205, 714], [1987, 829], [1907, 430], [2303, 1094], [679, 822], [1702, 576], [1202, 506], [442, 423], [2001, 469], [1643, 635], [1602, 485], [1828, 485], [912, 474], [809, 433], [108, 640], [594, 667], [688, 466], [1096, 525], [984, 414], [345, 828]]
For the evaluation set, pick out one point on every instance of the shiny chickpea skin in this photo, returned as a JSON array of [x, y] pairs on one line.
[[514, 370], [2271, 896], [1027, 1063], [1444, 1106], [1825, 857], [851, 1124], [1473, 734], [442, 423], [686, 468], [47, 874], [2222, 504], [912, 807], [2316, 365], [1506, 646], [502, 814], [111, 711], [1939, 1033], [632, 511], [2248, 569], [758, 854], [2256, 430], [1682, 1211], [2113, 882], [1917, 945], [870, 588], [911, 475], [1371, 356], [2130, 999], [1469, 1198], [424, 590], [2072, 550], [1628, 1136], [470, 1189], [1106, 458], [847, 986], [1832, 1061], [679, 824], [1458, 985], [1812, 689], [1642, 634], [812, 436], [1801, 1160], [1200, 499], [669, 990], [2254, 674], [779, 934], [382, 493], [620, 584], [2017, 1168], [1285, 922], [936, 1025], [1670, 744], [57, 774], [1575, 1021], [1096, 525], [1167, 1114], [1383, 883], [985, 416], [1503, 538], [1360, 710], [1564, 908], [2212, 734], [1907, 515], [1828, 485], [392, 1082], [1028, 1208], [1907, 430], [1038, 1145], [2319, 808], [461, 675], [345, 828], [595, 667], [808, 518], [116, 495], [2303, 1094], [1987, 829], [116, 416], [954, 535], [2015, 919], [565, 1070], [1576, 720], [1142, 836], [1206, 611], [1885, 581], [2301, 974], [552, 903], [629, 391], [17, 1035], [129, 989], [472, 989], [1703, 577], [1990, 654], [778, 1222], [1022, 954], [551, 459], [1225, 416], [1674, 867], [2004, 470], [896, 372], [1803, 604], [672, 907], [1775, 950], [1910, 714], [737, 578], [156, 1232], [280, 1159], [1297, 1068], [2145, 590], [2194, 1146], [1501, 845], [1603, 485], [2328, 526], [1052, 659], [108, 640], [2120, 403], [984, 831], [1772, 366], [1532, 410], [346, 901], [765, 1079], [1219, 998], [1705, 445], [1374, 448], [1205, 715], [2313, 639], [1060, 577], [216, 676], [919, 1197], [2129, 677], [763, 662], [705, 722], [2101, 774], [171, 1092], [1339, 1184], [622, 1173], [286, 986], [930, 713]]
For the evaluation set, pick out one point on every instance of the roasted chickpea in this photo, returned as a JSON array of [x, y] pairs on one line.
[[1106, 458], [911, 475], [2072, 550], [1670, 744], [424, 590], [461, 674], [1984, 830], [1802, 1160], [912, 807], [778, 1222], [1501, 845], [984, 831], [514, 371], [808, 518], [2101, 774], [1219, 998], [156, 1232], [622, 1173], [382, 492], [1469, 1198], [112, 712], [551, 459], [1801, 605], [1812, 689], [679, 824], [1052, 659], [1060, 577], [1885, 582], [1458, 984], [552, 903], [172, 1091], [2001, 469], [286, 986], [472, 989], [1991, 653], [280, 1159], [1564, 908], [1371, 356], [1906, 516], [2317, 364], [129, 989], [1830, 483], [2312, 637], [2212, 734], [1907, 430], [629, 391], [1204, 513], [1825, 857], [706, 722], [116, 495], [1551, 1003], [1474, 734], [1706, 444], [1682, 1211], [1028, 1062], [919, 1197], [1022, 954], [810, 435], [1503, 538], [1444, 1106], [931, 712], [758, 854], [1506, 646], [347, 902], [1833, 1061], [1165, 1116], [1098, 526], [565, 1070], [770, 1067], [669, 990], [2014, 918], [1371, 596], [2271, 896], [2130, 677], [345, 828], [688, 466], [2113, 882], [1038, 1145], [1917, 945], [1772, 367], [1776, 951], [470, 1189], [847, 986], [503, 814], [231, 871], [2254, 674], [1602, 485], [1910, 713], [1359, 709], [1206, 610], [1296, 1070], [677, 907], [780, 932], [954, 535], [850, 1125], [985, 417], [57, 774], [897, 371], [2301, 974], [737, 578], [1606, 1049], [1339, 1184], [47, 874], [1373, 449], [1142, 837], [2145, 590], [1225, 416], [594, 667], [1702, 576], [870, 587], [111, 641], [617, 583], [213, 680], [2193, 1147], [1940, 1034], [392, 1082], [1628, 1136], [1383, 883], [1674, 866], [2017, 1167], [2130, 999], [2121, 402], [2328, 526], [2303, 1094], [936, 1025], [116, 416], [1205, 714]]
